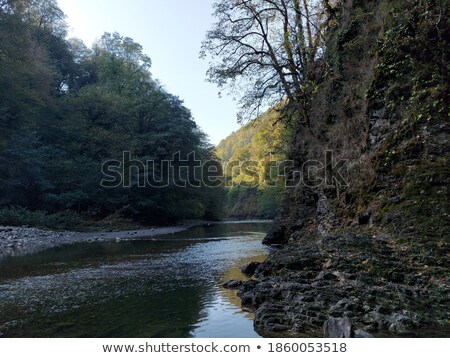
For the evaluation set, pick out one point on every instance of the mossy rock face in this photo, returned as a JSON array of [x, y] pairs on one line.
[[370, 279], [348, 33], [384, 68]]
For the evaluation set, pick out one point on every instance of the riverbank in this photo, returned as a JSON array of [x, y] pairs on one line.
[[366, 280], [22, 240], [132, 288]]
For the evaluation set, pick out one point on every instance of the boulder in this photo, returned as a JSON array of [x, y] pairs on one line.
[[232, 284], [276, 235], [364, 217], [337, 328], [359, 333], [250, 268]]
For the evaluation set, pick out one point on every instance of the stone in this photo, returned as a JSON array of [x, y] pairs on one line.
[[391, 217], [276, 235], [325, 276], [359, 333], [347, 304], [250, 268], [337, 328], [299, 224], [232, 284], [399, 317], [279, 328], [364, 217], [378, 113], [247, 298], [397, 327]]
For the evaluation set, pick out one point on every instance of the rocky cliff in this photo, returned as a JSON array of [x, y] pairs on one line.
[[372, 249]]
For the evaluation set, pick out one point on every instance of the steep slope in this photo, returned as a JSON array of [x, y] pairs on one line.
[[375, 248], [257, 143]]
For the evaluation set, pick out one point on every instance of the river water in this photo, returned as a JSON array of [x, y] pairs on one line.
[[167, 286]]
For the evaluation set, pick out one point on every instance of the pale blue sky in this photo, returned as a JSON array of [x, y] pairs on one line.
[[171, 32]]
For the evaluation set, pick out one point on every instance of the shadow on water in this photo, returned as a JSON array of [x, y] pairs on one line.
[[164, 286]]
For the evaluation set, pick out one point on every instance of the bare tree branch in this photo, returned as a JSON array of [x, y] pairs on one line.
[[262, 49]]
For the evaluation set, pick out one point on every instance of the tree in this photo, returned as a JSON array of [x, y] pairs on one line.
[[260, 144], [66, 109], [263, 49]]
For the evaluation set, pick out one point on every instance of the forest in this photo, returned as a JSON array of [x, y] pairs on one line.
[[367, 81], [263, 142], [65, 109]]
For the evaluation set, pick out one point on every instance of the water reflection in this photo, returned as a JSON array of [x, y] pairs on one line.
[[159, 287]]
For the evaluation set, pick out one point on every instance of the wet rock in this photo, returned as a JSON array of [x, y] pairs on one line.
[[279, 328], [247, 298], [276, 235], [250, 268], [299, 224], [397, 327], [340, 276], [325, 276], [391, 217], [232, 284], [347, 304], [381, 309], [377, 319], [364, 217], [337, 328], [272, 321], [398, 317], [359, 333], [324, 212], [400, 323]]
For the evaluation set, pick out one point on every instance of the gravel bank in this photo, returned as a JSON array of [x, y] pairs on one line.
[[16, 241]]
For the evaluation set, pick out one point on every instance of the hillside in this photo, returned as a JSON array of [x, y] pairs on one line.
[[371, 251], [259, 142], [77, 125]]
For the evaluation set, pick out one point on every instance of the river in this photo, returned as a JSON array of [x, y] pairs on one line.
[[167, 286]]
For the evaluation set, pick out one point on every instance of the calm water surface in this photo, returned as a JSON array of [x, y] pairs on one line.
[[167, 286]]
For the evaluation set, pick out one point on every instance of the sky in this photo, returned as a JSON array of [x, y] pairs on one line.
[[170, 32]]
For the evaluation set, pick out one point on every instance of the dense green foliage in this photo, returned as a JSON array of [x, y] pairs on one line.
[[61, 220], [263, 141], [65, 109]]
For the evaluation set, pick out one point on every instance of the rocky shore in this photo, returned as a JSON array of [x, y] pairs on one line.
[[360, 283], [367, 251], [16, 241]]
